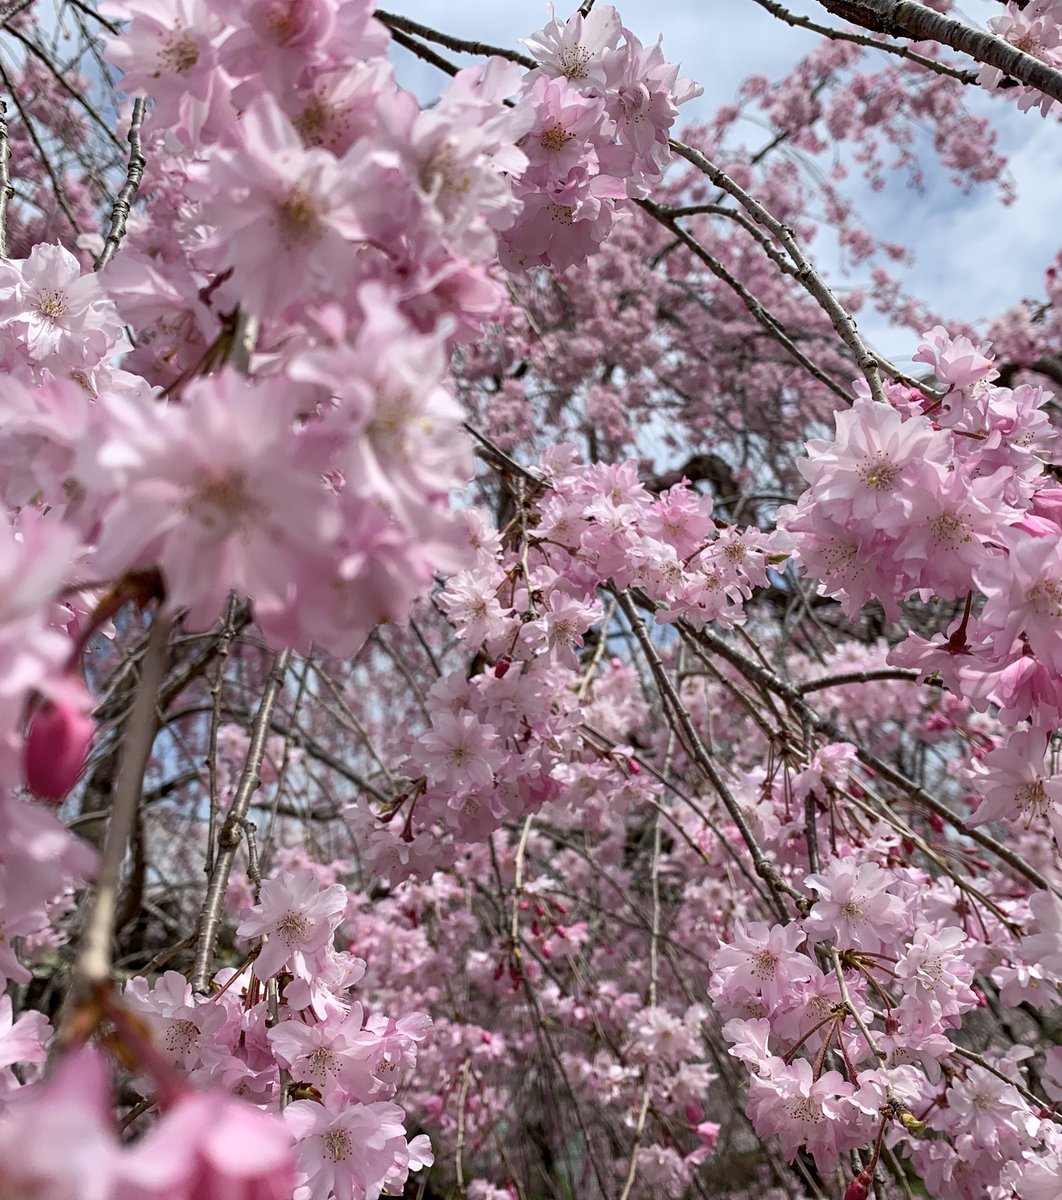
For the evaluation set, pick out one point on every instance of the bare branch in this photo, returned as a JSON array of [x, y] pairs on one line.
[[6, 190], [232, 831], [861, 39], [133, 176], [461, 45]]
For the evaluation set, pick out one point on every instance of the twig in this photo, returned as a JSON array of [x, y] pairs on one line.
[[91, 12], [134, 174], [841, 319], [762, 316], [459, 1146], [6, 190], [861, 39], [232, 831], [46, 162], [766, 678], [696, 749], [93, 966], [60, 78], [424, 52], [461, 45]]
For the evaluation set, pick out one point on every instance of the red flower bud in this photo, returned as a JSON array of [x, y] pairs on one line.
[[859, 1188], [502, 666], [54, 752]]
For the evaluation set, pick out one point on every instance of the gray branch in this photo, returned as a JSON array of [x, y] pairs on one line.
[[905, 18]]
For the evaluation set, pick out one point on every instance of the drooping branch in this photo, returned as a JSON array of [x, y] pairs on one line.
[[805, 274]]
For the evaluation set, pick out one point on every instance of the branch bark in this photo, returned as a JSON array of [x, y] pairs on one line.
[[232, 831], [905, 18]]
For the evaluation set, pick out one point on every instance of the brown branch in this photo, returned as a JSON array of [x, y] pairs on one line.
[[860, 39], [93, 966], [461, 45], [769, 322]]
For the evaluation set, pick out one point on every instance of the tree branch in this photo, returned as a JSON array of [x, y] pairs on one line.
[[232, 831], [910, 19]]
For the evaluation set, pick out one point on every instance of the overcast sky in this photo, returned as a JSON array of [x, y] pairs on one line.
[[973, 257]]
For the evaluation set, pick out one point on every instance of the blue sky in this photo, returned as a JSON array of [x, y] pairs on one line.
[[973, 258]]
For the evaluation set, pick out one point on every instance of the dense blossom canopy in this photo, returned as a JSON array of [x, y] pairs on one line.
[[504, 692]]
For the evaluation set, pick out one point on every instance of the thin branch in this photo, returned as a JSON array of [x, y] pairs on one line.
[[91, 12], [6, 190], [461, 45], [762, 315], [699, 754], [424, 52], [232, 831], [133, 176], [841, 319], [861, 39], [46, 162], [60, 78]]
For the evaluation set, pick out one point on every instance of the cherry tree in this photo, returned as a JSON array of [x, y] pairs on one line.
[[506, 690]]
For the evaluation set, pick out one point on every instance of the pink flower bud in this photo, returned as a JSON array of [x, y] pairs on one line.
[[859, 1188], [55, 749]]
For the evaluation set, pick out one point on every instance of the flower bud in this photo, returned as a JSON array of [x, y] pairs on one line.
[[55, 749], [859, 1188]]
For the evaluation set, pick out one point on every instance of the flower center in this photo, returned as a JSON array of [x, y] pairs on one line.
[[181, 1036], [878, 473], [804, 1109], [556, 137], [298, 220], [1033, 801], [221, 502], [764, 965], [337, 1144], [293, 927], [180, 53], [51, 304], [573, 62], [1045, 598], [949, 530]]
